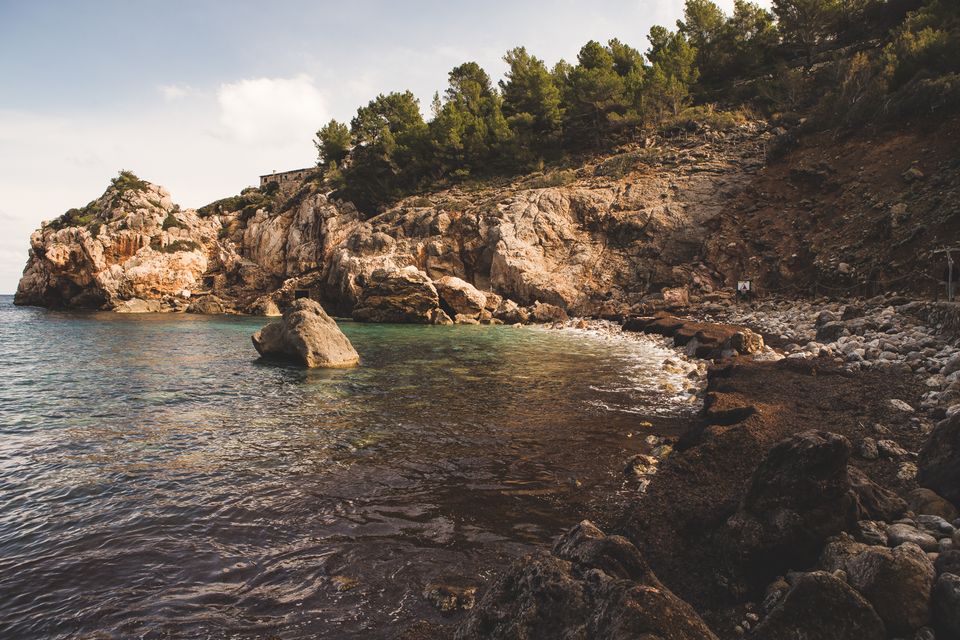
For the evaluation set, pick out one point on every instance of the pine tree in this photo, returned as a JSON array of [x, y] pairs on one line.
[[333, 142], [531, 105], [673, 72], [595, 91], [389, 135], [806, 23], [470, 129]]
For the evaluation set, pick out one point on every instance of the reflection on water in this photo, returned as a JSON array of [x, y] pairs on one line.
[[156, 480]]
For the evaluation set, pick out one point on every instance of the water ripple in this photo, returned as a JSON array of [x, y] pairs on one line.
[[157, 481]]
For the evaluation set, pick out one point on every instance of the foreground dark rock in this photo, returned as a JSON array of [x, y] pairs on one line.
[[306, 335], [751, 494], [798, 497], [896, 582], [819, 606], [940, 460], [946, 605], [591, 586]]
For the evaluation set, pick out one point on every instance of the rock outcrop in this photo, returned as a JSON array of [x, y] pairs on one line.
[[798, 497], [820, 606], [591, 586], [399, 295], [131, 243], [460, 298], [306, 335], [623, 229], [939, 467]]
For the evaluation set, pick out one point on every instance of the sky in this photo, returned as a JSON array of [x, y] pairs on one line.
[[202, 97]]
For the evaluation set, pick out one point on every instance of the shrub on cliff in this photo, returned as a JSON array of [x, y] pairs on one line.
[[128, 181], [74, 218], [171, 222], [247, 203], [175, 247]]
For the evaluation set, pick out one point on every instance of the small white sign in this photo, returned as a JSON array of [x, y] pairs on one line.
[[743, 286]]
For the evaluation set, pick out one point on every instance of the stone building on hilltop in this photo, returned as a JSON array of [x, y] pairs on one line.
[[286, 180]]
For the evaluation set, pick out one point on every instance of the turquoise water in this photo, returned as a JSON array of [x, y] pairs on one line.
[[157, 480]]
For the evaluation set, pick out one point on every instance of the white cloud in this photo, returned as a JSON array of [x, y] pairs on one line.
[[271, 111], [171, 92], [52, 162]]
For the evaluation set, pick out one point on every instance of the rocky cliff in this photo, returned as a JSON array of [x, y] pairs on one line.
[[687, 213], [607, 233]]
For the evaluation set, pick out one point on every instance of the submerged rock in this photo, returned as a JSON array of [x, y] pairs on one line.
[[137, 305], [448, 598], [307, 335]]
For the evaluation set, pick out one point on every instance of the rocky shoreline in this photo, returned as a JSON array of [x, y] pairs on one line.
[[810, 498], [817, 491]]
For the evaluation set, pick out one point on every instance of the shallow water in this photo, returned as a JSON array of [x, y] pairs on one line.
[[157, 480]]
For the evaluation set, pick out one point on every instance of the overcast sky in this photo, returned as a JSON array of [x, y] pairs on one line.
[[203, 96]]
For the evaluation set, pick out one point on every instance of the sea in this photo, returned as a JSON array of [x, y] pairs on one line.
[[159, 480]]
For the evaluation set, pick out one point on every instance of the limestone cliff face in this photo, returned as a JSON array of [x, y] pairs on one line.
[[597, 239], [132, 242]]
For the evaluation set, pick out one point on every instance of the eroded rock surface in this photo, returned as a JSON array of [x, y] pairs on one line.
[[600, 243], [798, 497], [306, 335], [591, 586], [819, 606], [131, 243]]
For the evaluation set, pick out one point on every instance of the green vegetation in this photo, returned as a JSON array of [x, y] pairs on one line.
[[128, 181], [171, 222], [247, 203], [125, 182], [175, 246], [554, 179], [74, 218], [826, 63]]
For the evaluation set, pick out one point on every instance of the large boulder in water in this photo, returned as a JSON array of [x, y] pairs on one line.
[[307, 335], [403, 295], [939, 465], [592, 586]]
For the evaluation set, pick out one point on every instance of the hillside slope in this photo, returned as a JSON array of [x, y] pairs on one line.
[[698, 210]]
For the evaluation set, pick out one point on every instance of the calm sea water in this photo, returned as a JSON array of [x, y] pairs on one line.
[[158, 481]]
